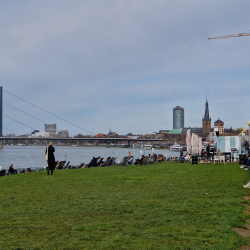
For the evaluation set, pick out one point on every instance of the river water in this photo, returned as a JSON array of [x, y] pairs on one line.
[[34, 156]]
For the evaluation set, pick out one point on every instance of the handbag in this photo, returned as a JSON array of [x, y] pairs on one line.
[[47, 153]]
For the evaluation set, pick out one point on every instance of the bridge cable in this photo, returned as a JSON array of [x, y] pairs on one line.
[[49, 112], [25, 113], [18, 121], [28, 114], [11, 131]]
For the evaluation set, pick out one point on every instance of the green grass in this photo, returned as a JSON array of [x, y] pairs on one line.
[[163, 206]]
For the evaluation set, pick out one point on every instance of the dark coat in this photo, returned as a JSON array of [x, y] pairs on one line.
[[51, 157], [11, 170]]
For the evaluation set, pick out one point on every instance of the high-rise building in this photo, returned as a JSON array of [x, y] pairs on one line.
[[206, 121], [178, 117], [51, 128]]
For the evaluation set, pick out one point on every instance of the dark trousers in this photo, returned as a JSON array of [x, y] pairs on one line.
[[51, 172]]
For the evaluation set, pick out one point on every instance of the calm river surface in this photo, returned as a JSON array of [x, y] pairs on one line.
[[34, 156]]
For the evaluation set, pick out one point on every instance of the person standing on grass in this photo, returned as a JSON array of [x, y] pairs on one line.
[[208, 150], [50, 158]]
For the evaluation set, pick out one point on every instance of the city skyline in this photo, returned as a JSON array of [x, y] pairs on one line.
[[112, 64], [178, 123]]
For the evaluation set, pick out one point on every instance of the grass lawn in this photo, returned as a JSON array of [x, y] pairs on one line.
[[165, 206]]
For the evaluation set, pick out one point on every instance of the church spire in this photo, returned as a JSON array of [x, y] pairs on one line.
[[206, 121], [206, 116]]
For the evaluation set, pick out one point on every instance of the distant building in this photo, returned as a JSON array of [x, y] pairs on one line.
[[41, 134], [178, 117], [63, 133], [193, 130], [219, 127], [166, 131], [100, 135], [112, 134], [175, 135], [51, 128], [206, 121], [35, 131], [10, 135]]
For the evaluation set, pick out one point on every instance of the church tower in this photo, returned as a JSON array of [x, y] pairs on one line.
[[206, 121]]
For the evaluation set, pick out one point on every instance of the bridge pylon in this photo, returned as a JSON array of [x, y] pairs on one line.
[[1, 111], [1, 115]]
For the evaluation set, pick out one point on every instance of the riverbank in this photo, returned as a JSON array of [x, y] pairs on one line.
[[31, 157], [88, 146]]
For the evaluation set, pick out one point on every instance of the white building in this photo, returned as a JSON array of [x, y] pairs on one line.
[[41, 134]]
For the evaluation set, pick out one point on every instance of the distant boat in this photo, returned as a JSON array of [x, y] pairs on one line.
[[142, 146], [148, 147], [177, 147], [20, 144]]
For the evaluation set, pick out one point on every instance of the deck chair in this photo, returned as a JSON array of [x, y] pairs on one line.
[[113, 161], [66, 166], [144, 160], [60, 165], [123, 162], [107, 162], [2, 172]]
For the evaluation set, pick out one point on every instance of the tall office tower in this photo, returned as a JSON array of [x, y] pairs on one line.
[[206, 121], [178, 117], [51, 128]]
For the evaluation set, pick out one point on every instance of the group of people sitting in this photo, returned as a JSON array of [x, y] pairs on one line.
[[127, 160], [150, 159], [95, 162]]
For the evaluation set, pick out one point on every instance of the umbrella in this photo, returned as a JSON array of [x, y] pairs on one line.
[[188, 141]]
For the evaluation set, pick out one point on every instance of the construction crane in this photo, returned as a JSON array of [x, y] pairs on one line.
[[247, 33]]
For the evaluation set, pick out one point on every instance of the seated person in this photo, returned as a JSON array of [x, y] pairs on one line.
[[137, 161], [202, 152], [154, 157], [81, 165], [161, 158], [57, 164], [92, 162], [130, 159], [99, 162], [187, 157], [12, 170], [141, 160], [246, 162]]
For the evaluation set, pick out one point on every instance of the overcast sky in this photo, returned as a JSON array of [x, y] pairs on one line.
[[122, 64]]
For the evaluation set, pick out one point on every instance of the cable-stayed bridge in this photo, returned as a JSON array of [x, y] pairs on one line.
[[127, 141]]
